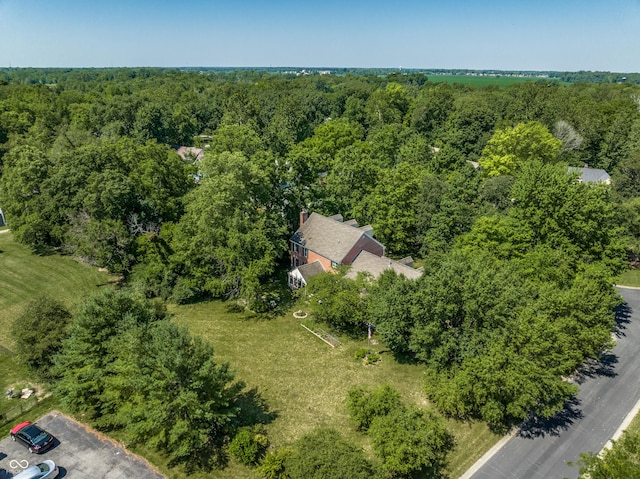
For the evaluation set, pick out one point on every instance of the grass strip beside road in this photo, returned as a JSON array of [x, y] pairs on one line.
[[630, 277]]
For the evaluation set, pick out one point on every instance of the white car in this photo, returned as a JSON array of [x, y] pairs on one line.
[[45, 470]]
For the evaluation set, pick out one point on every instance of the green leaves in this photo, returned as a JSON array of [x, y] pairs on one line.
[[365, 406], [621, 461], [324, 453], [338, 301], [229, 238], [509, 149], [39, 332], [407, 441], [131, 369]]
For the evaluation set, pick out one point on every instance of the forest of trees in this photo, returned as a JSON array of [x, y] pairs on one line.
[[519, 257]]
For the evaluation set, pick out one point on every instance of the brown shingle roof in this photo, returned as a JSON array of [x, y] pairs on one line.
[[310, 269], [329, 237], [376, 265]]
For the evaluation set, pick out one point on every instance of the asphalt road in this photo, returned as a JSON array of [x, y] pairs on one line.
[[608, 392], [79, 452]]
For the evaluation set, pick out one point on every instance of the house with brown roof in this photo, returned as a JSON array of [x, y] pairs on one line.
[[322, 243], [367, 262]]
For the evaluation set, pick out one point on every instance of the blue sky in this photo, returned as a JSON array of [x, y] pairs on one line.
[[509, 35]]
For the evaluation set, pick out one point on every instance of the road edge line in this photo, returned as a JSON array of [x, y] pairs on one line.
[[625, 424], [488, 455]]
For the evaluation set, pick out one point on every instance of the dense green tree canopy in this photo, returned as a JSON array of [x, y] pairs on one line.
[[508, 149], [229, 238], [518, 258], [129, 368], [39, 332], [324, 453]]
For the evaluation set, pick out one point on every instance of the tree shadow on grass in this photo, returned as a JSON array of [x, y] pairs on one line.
[[402, 358], [536, 426], [254, 409], [41, 250]]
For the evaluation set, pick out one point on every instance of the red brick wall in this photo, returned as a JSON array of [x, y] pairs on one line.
[[364, 243]]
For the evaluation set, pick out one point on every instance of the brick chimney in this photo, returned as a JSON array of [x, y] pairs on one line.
[[303, 216]]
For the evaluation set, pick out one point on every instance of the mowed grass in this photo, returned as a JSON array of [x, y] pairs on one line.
[[305, 381], [24, 276], [630, 277]]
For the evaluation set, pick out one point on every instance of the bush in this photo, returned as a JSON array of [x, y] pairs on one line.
[[325, 454], [185, 291], [364, 406], [273, 464], [410, 441], [361, 353], [249, 445], [372, 358], [39, 332]]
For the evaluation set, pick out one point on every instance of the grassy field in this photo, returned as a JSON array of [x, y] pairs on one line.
[[305, 381], [482, 81], [24, 276], [301, 379]]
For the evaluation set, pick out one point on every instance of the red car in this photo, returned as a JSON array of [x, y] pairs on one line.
[[35, 439]]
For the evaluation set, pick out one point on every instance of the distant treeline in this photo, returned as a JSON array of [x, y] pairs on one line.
[[30, 76]]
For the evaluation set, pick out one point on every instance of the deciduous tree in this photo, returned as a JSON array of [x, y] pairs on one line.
[[39, 332], [509, 149]]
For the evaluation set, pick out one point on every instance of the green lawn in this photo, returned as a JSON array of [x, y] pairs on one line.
[[12, 373], [24, 276], [305, 381], [630, 277]]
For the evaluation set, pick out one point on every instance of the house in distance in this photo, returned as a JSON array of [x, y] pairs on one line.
[[322, 243]]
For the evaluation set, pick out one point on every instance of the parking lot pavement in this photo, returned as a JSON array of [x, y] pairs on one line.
[[79, 452]]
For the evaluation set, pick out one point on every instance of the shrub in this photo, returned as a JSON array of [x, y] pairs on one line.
[[249, 445], [372, 358], [273, 464], [364, 406], [323, 454], [361, 353], [410, 441]]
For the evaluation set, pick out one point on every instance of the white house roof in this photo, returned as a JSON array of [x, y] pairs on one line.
[[592, 175]]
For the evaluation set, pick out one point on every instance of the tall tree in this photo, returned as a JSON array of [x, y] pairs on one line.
[[92, 346], [229, 238], [508, 149], [167, 391], [39, 332]]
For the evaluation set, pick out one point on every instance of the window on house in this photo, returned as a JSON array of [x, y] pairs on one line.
[[305, 252], [295, 262], [295, 247]]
